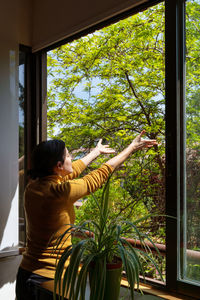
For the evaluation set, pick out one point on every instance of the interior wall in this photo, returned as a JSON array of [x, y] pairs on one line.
[[9, 267], [15, 23], [53, 22], [25, 21], [9, 145]]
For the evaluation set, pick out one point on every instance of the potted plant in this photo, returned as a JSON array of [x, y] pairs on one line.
[[102, 254]]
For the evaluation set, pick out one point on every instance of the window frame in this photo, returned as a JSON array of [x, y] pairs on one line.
[[35, 117], [175, 143]]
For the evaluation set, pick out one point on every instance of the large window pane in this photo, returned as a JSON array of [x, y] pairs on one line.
[[191, 217], [111, 85]]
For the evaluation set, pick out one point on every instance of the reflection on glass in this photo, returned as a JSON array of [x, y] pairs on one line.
[[191, 258], [21, 145]]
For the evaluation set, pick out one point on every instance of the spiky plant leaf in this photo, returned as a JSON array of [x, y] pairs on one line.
[[105, 240], [60, 268]]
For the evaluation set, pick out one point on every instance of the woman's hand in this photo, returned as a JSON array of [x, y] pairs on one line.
[[99, 149], [139, 143], [104, 149]]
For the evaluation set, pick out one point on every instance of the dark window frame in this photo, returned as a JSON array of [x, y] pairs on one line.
[[35, 126], [26, 52]]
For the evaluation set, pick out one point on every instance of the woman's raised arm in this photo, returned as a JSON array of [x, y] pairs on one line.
[[137, 144]]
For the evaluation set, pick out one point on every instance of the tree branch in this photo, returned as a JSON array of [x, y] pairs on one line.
[[137, 98]]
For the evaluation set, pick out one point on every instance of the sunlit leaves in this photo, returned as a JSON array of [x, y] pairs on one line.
[[95, 68], [111, 84]]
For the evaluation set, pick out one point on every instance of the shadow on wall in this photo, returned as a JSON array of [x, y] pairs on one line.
[[9, 268]]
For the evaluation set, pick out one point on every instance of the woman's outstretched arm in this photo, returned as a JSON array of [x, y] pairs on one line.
[[137, 144], [80, 164]]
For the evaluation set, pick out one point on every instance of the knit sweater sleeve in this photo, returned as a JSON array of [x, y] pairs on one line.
[[78, 167], [89, 183]]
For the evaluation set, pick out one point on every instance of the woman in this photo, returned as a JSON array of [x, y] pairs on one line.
[[49, 199]]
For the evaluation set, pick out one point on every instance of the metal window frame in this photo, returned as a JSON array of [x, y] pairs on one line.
[[35, 104], [36, 113], [27, 51], [175, 144], [35, 117]]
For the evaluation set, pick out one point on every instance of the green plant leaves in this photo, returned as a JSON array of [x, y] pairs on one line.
[[99, 249]]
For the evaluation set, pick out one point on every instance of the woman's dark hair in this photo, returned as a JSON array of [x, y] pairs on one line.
[[45, 157]]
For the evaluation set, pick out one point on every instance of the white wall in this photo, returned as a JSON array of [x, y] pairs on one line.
[[15, 24], [9, 145], [8, 272]]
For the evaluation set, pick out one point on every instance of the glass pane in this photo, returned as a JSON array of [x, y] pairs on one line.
[[111, 84], [191, 257], [21, 145]]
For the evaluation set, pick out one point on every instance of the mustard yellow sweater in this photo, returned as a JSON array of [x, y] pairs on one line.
[[48, 203]]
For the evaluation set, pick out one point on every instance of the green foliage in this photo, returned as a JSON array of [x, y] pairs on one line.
[[193, 271], [192, 73], [101, 87], [193, 128], [104, 242], [120, 198], [110, 84]]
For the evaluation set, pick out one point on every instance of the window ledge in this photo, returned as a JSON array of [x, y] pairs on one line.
[[11, 252], [148, 289]]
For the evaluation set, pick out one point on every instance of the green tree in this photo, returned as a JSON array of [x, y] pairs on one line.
[[193, 128], [193, 72], [111, 84]]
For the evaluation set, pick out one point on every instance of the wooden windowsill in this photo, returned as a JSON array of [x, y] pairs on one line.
[[12, 252], [147, 289]]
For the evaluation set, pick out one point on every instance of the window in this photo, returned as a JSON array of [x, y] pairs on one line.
[[190, 245], [182, 139], [181, 146], [32, 105], [110, 84]]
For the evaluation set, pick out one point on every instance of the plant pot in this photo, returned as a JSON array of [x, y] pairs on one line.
[[113, 279]]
